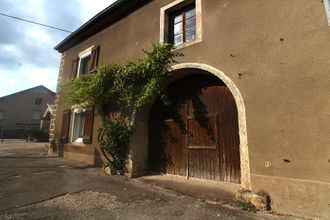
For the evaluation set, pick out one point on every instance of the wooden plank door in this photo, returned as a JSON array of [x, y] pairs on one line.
[[203, 139], [175, 157], [167, 139], [228, 138], [213, 143], [197, 136], [203, 153]]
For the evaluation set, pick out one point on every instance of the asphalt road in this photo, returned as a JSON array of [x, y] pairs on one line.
[[35, 186]]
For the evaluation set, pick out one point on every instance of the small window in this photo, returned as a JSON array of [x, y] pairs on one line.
[[84, 63], [182, 26], [38, 101], [77, 125], [2, 115], [36, 115], [181, 23]]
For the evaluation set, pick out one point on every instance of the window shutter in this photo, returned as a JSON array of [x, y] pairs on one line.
[[88, 125], [94, 58], [65, 126], [74, 68]]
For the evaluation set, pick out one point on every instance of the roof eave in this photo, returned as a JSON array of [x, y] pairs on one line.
[[99, 22]]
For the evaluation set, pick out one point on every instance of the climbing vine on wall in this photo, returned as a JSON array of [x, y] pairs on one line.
[[117, 92]]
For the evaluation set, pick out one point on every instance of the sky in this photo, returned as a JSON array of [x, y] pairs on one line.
[[27, 55]]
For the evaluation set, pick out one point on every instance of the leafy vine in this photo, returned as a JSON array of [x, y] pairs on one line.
[[117, 92]]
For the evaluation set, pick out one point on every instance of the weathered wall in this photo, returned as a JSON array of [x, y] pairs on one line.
[[277, 54]]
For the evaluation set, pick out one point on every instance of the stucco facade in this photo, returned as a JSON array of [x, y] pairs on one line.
[[274, 57], [23, 110]]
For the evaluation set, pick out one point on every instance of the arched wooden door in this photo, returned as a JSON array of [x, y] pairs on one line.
[[196, 135]]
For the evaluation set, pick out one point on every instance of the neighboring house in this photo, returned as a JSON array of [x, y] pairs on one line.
[[258, 69], [22, 111]]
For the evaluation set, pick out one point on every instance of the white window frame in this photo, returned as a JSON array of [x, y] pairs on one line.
[[327, 9], [72, 125], [164, 21], [87, 52]]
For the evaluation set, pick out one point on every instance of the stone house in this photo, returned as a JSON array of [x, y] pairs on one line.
[[257, 69], [22, 111]]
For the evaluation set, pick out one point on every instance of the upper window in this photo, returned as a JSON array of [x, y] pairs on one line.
[[86, 62], [180, 23], [183, 25], [38, 101]]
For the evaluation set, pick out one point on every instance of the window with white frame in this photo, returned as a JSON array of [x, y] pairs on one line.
[[77, 125], [84, 63], [182, 25], [180, 22], [327, 9]]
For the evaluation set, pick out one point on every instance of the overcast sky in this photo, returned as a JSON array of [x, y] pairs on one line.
[[27, 57]]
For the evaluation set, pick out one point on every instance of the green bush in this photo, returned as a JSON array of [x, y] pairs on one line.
[[114, 136]]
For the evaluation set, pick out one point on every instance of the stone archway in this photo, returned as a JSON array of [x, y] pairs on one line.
[[138, 157]]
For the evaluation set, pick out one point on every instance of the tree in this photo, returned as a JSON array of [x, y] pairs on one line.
[[117, 92]]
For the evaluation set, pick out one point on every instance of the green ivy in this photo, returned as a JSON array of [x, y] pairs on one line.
[[117, 92], [114, 138]]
